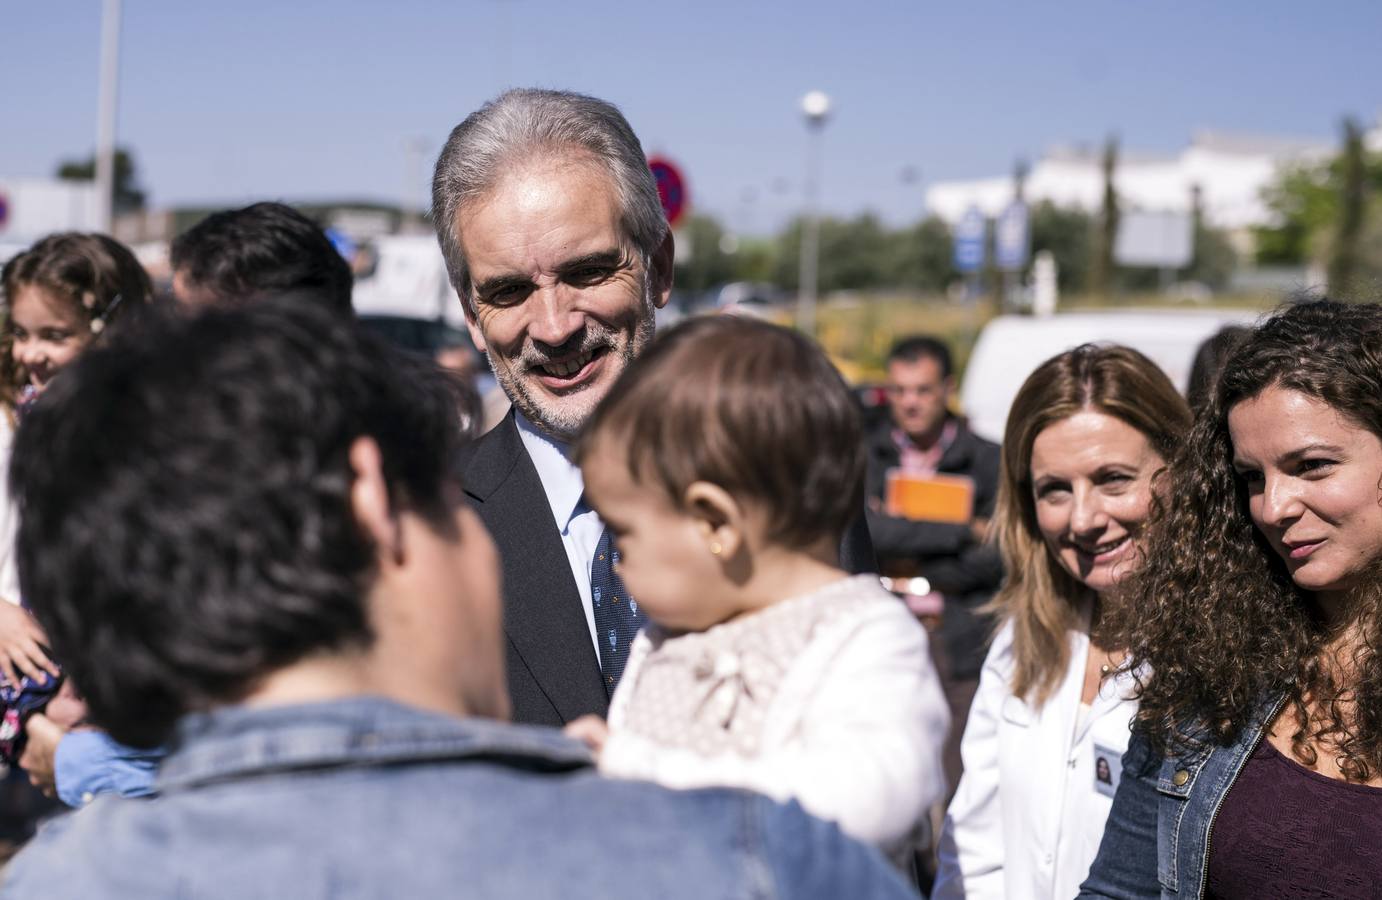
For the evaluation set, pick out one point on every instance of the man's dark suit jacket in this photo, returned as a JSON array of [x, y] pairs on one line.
[[553, 670]]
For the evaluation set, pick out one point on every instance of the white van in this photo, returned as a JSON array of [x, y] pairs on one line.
[[1010, 347], [407, 279]]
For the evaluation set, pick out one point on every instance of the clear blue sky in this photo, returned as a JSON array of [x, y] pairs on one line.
[[231, 102]]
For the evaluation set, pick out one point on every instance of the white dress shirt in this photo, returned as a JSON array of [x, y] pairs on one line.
[[580, 528]]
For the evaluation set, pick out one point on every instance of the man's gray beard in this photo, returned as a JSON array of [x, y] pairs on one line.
[[564, 423]]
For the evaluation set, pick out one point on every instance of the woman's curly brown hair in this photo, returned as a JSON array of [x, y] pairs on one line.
[[1214, 615]]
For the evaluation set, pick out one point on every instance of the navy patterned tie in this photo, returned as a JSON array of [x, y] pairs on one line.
[[617, 616]]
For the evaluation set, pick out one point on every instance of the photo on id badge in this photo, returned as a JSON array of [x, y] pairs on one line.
[[1108, 765]]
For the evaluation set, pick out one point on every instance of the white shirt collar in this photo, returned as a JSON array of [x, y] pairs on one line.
[[561, 479]]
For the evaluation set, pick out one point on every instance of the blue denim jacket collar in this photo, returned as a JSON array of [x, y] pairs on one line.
[[395, 802], [1157, 840], [1193, 782], [241, 741]]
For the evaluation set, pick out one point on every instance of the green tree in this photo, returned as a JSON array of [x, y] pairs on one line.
[[129, 195], [787, 257], [1101, 273], [1068, 233], [920, 257], [1215, 258], [708, 264], [853, 255], [756, 260], [1306, 202], [1344, 261]]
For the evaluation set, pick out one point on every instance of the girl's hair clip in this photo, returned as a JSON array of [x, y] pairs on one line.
[[98, 324]]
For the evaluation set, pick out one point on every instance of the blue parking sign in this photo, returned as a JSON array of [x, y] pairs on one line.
[[969, 241], [1011, 238]]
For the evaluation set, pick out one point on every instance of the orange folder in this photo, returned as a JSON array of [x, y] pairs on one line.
[[929, 498]]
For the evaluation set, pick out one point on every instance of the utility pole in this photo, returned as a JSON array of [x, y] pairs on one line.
[[1101, 277], [414, 198], [1011, 279], [105, 115], [816, 106], [1343, 257]]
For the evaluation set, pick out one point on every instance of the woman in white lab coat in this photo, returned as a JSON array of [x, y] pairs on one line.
[[1087, 435]]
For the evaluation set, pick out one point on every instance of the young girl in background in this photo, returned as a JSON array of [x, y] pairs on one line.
[[727, 461], [60, 295]]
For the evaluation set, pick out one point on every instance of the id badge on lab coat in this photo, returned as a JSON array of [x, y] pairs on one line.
[[1108, 766]]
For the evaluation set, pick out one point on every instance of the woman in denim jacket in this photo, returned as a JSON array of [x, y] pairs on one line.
[[1255, 768]]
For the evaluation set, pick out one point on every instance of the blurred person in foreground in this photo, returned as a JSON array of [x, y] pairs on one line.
[[239, 256], [63, 295], [822, 687], [265, 249], [279, 575], [923, 438], [1255, 766], [1087, 438], [557, 245]]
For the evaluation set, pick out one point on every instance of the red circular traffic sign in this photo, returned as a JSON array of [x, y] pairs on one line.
[[671, 188]]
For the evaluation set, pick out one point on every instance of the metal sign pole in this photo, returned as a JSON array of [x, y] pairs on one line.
[[105, 116], [816, 106]]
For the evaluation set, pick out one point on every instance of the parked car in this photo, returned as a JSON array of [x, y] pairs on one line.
[[1010, 347]]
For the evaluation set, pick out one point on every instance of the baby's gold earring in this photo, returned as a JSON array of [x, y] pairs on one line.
[[715, 548]]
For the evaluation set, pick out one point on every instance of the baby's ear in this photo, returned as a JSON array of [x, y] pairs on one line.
[[719, 517]]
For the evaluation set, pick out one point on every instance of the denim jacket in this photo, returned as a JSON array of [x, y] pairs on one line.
[[90, 763], [365, 798], [1156, 843]]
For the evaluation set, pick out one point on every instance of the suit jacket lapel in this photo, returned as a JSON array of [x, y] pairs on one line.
[[543, 616]]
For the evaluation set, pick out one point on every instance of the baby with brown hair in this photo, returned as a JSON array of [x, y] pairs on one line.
[[727, 461]]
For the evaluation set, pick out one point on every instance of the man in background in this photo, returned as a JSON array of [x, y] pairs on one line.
[[922, 437], [238, 255]]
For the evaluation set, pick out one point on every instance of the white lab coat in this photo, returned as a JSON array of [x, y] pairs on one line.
[[1028, 815]]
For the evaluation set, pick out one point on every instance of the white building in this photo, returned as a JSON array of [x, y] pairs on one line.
[[33, 207], [1230, 171]]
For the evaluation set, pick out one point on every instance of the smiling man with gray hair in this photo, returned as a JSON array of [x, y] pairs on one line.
[[557, 244], [556, 241]]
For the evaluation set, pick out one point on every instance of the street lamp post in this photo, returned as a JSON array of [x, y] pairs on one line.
[[105, 116], [414, 186], [816, 107]]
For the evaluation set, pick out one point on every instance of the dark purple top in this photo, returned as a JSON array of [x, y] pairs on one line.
[[1285, 831]]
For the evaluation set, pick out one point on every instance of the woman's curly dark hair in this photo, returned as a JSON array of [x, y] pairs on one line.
[[1214, 616]]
